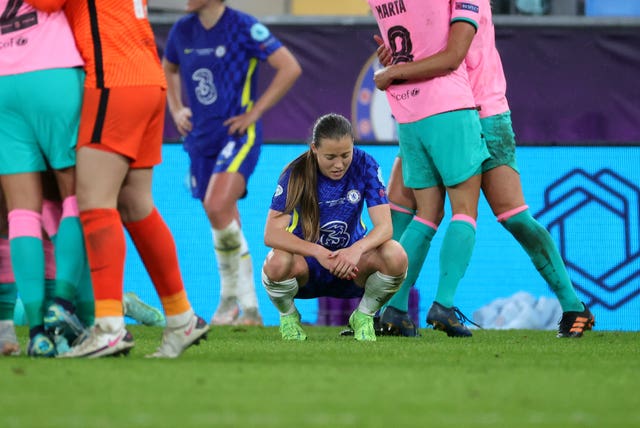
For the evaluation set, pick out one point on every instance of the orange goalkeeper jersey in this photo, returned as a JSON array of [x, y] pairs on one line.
[[115, 40]]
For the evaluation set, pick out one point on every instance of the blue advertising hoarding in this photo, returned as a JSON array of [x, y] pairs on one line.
[[588, 198]]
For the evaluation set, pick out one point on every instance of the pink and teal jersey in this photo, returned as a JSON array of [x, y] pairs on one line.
[[484, 66], [31, 40], [416, 29]]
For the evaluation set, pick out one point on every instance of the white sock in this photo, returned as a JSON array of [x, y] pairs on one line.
[[110, 324], [179, 320], [378, 290], [7, 323], [246, 289], [226, 244], [281, 293]]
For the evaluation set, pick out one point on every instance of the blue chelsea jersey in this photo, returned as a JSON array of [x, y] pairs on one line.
[[218, 67], [341, 201]]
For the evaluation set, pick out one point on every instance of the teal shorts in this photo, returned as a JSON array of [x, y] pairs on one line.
[[446, 148], [501, 141], [39, 113]]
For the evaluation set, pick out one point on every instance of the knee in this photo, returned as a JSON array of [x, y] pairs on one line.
[[220, 212], [132, 209], [395, 258], [213, 209], [278, 266]]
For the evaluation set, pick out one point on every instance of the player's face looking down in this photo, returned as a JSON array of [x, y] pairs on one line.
[[334, 156]]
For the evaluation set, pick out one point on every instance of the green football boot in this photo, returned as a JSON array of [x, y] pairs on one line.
[[291, 328], [362, 325]]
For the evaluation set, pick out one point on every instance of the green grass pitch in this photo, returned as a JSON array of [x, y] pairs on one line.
[[248, 377]]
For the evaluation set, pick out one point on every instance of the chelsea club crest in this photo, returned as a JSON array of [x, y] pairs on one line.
[[353, 196]]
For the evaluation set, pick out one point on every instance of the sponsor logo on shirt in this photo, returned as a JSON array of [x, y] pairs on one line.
[[14, 42], [334, 234], [405, 95], [206, 90]]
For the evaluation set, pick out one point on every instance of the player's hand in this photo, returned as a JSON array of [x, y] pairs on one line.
[[239, 124], [182, 119], [383, 52], [382, 78], [346, 263], [329, 263]]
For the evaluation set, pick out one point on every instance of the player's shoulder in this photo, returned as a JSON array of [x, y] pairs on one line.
[[362, 157]]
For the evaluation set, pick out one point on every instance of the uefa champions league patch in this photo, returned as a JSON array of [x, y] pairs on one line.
[[259, 32], [279, 191]]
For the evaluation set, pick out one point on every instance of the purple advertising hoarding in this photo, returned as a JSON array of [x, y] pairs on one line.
[[569, 85]]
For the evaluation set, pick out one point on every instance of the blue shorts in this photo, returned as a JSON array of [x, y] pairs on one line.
[[445, 148], [39, 118], [501, 141], [323, 283], [239, 154]]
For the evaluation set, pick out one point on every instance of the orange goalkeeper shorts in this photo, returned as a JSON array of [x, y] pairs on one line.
[[125, 120]]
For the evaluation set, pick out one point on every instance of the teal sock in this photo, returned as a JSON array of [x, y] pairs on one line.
[[400, 220], [70, 257], [27, 260], [49, 291], [544, 254], [85, 303], [455, 254], [19, 317], [416, 241], [8, 296]]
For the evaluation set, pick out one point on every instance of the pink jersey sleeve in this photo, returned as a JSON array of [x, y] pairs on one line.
[[483, 62], [416, 29], [31, 40]]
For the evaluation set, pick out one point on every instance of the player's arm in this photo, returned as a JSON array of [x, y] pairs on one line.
[[181, 115], [444, 62], [287, 72], [48, 6], [382, 230], [278, 237]]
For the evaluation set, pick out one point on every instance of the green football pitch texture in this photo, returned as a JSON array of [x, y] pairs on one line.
[[249, 377]]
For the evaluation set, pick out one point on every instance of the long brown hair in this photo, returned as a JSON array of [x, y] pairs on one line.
[[302, 190]]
